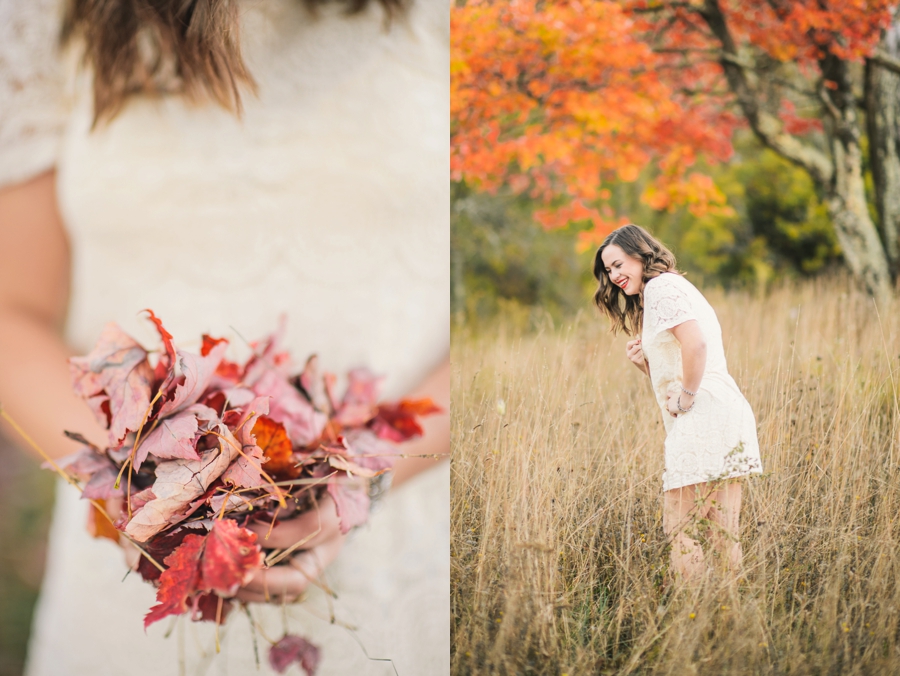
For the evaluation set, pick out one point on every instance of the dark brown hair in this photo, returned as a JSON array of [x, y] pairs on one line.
[[190, 47], [627, 312]]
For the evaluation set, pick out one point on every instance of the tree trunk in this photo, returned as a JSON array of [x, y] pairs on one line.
[[846, 192], [882, 101], [839, 172]]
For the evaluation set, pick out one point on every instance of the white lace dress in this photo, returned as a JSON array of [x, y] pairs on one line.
[[717, 439], [328, 201]]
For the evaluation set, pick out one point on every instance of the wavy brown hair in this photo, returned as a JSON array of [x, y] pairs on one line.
[[627, 312], [189, 47]]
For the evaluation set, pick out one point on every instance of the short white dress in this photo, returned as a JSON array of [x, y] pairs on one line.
[[717, 439]]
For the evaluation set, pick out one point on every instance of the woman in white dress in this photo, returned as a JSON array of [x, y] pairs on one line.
[[327, 200], [710, 429]]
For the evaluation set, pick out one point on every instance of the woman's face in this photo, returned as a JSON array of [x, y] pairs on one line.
[[624, 271]]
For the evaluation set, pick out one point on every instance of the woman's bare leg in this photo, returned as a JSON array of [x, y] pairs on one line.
[[682, 509], [724, 533]]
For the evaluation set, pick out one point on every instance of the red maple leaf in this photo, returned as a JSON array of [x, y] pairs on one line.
[[397, 422], [209, 343], [179, 581], [230, 559], [165, 367], [292, 648], [160, 547]]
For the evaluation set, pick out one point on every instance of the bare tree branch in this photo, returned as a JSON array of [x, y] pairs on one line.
[[767, 127], [885, 60]]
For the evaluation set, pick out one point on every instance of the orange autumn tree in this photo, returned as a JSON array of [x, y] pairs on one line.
[[558, 98]]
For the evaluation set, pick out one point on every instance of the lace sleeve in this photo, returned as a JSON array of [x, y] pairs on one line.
[[666, 304], [31, 88]]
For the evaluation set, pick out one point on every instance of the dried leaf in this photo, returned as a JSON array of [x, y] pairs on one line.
[[292, 649], [178, 483], [165, 367], [160, 547], [345, 465], [368, 450], [272, 439], [179, 581], [205, 607], [245, 470], [102, 485], [174, 437], [397, 422], [352, 503], [99, 526], [313, 384], [230, 558], [363, 387], [209, 343], [303, 423], [198, 372], [115, 379]]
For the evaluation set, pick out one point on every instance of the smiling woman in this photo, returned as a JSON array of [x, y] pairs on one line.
[[710, 429]]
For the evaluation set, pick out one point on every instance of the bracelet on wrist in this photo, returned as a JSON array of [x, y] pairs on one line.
[[693, 394], [684, 410]]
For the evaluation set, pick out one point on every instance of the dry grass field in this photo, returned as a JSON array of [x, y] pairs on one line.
[[557, 546]]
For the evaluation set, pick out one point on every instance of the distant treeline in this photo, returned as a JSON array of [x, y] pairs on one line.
[[778, 228]]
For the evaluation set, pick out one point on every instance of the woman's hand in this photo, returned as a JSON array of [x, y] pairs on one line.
[[320, 534], [318, 530], [635, 354], [672, 400]]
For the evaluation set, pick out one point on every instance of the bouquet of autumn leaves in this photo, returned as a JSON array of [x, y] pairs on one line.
[[200, 446]]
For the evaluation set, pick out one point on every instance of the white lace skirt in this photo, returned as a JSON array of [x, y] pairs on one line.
[[716, 440]]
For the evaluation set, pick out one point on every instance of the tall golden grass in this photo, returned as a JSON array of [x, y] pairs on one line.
[[557, 547]]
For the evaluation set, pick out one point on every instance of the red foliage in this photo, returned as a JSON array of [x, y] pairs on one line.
[[180, 580], [208, 434], [230, 558], [559, 98], [397, 422]]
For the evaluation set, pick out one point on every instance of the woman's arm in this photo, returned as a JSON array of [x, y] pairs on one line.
[[693, 362], [436, 439], [35, 387]]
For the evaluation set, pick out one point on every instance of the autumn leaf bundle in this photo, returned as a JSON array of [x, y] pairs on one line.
[[199, 447]]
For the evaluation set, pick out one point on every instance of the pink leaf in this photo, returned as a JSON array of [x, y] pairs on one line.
[[363, 387], [292, 649], [172, 438], [198, 372], [245, 470], [102, 485], [178, 483], [115, 375], [368, 450], [313, 384], [83, 464], [303, 423], [352, 503]]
